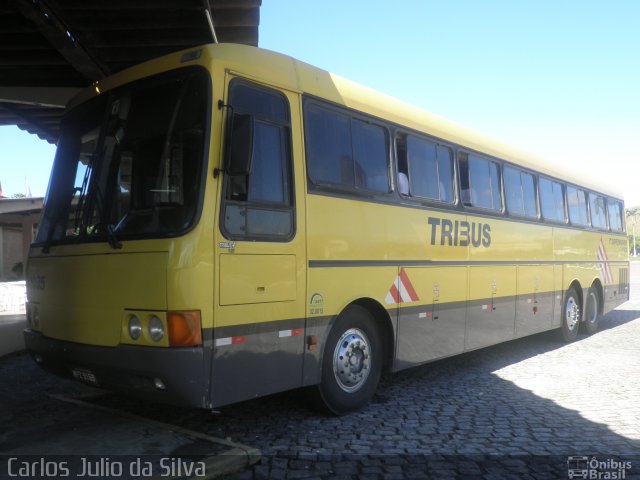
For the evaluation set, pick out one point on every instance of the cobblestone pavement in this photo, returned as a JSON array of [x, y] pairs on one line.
[[516, 410]]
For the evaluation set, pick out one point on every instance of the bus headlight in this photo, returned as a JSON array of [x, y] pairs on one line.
[[135, 327], [156, 329]]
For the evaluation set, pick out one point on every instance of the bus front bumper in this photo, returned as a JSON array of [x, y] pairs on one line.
[[166, 375]]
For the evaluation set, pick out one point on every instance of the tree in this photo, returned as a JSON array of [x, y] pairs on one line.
[[632, 215]]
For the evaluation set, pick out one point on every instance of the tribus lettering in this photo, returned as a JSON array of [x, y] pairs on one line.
[[459, 233]]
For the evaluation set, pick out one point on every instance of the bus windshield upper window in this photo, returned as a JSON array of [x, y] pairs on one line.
[[130, 161]]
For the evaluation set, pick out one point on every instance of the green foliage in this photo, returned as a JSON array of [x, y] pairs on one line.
[[632, 215]]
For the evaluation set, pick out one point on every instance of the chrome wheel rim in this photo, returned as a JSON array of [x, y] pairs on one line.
[[572, 313], [352, 360]]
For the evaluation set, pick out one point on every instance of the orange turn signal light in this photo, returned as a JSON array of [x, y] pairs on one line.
[[185, 329]]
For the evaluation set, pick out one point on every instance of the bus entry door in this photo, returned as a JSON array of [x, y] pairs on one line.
[[260, 249]]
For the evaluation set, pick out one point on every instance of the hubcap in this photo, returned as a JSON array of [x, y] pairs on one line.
[[352, 360], [572, 313]]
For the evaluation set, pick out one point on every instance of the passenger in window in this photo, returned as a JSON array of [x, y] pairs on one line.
[[403, 168], [403, 183]]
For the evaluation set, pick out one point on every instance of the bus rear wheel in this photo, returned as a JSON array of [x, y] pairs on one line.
[[570, 316], [592, 312], [351, 362]]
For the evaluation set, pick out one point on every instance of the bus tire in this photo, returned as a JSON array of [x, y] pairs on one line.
[[351, 363], [591, 312], [570, 316]]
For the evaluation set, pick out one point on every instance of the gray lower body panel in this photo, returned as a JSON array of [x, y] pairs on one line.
[[534, 313], [257, 359], [430, 332]]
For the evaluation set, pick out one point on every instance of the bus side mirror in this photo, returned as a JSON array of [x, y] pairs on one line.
[[240, 145]]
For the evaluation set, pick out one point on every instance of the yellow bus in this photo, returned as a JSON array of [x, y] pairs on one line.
[[226, 222]]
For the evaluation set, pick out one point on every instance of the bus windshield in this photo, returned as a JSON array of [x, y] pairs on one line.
[[129, 163]]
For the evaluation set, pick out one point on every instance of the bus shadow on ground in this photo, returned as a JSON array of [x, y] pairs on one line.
[[453, 418]]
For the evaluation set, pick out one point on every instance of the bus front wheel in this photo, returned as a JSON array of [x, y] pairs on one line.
[[351, 362], [570, 315]]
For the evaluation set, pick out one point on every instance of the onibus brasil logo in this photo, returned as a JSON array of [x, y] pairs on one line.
[[594, 468]]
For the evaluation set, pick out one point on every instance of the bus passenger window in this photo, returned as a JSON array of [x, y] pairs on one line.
[[428, 168], [520, 194], [370, 156], [598, 211], [552, 200], [479, 177], [615, 215], [445, 174], [577, 204], [345, 152], [328, 147]]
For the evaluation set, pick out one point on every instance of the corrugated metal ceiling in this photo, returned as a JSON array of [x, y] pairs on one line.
[[50, 48]]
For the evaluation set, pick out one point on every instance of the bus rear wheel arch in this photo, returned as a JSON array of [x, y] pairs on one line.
[[352, 362]]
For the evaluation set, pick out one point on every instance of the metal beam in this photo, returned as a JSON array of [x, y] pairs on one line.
[[26, 119], [62, 38], [41, 96]]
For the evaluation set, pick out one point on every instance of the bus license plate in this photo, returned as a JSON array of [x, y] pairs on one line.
[[85, 376]]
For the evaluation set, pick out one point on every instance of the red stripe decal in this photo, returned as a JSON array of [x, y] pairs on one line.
[[408, 286], [296, 332], [395, 293], [238, 340]]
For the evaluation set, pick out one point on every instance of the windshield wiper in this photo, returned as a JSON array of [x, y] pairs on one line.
[[112, 239]]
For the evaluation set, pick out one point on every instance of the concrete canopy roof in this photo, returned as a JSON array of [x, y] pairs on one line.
[[49, 49]]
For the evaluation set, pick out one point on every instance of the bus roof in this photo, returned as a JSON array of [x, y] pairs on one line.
[[287, 72], [351, 94]]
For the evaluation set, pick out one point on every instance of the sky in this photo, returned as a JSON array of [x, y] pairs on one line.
[[559, 79]]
